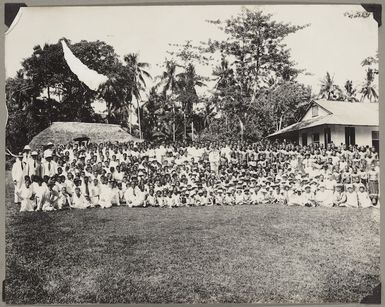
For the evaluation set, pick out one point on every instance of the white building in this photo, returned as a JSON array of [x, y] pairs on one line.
[[338, 122]]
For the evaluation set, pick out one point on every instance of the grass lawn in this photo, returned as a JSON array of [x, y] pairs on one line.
[[240, 254]]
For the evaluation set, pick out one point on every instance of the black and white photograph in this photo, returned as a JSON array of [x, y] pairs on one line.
[[192, 154]]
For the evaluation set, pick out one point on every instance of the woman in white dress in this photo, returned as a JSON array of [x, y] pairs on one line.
[[105, 195]]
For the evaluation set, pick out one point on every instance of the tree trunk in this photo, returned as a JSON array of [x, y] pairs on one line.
[[255, 87], [173, 124], [140, 128], [242, 128], [129, 120], [192, 131], [280, 122], [184, 127]]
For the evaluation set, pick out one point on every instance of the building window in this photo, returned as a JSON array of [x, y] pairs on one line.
[[376, 140], [316, 138], [314, 111]]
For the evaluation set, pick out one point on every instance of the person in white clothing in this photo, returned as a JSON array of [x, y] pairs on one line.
[[51, 199], [296, 199], [26, 196], [364, 200], [48, 149], [351, 197], [78, 200], [49, 166], [34, 166], [18, 176], [40, 191], [308, 197], [151, 199], [129, 194], [115, 200], [105, 196], [95, 193], [139, 198], [323, 197]]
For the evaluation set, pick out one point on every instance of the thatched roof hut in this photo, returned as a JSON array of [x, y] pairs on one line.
[[64, 132]]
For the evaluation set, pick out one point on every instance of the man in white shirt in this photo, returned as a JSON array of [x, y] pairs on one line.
[[18, 176], [49, 166]]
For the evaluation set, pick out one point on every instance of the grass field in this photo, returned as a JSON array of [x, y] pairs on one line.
[[244, 254]]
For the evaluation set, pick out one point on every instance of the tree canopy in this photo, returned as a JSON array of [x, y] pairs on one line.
[[255, 88]]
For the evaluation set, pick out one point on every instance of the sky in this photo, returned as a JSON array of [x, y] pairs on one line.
[[332, 42]]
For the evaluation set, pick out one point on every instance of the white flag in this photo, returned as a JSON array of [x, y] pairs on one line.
[[89, 77]]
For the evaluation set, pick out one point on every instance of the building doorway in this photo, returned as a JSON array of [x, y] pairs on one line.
[[350, 136], [327, 136], [304, 139], [376, 140]]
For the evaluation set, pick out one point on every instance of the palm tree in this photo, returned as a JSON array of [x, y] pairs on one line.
[[224, 73], [113, 94], [350, 91], [137, 74], [169, 79], [170, 84], [187, 81], [368, 90], [19, 91], [329, 90]]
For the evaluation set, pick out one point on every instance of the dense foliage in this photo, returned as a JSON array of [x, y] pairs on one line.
[[255, 88]]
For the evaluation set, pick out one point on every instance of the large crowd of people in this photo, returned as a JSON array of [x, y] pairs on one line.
[[88, 175]]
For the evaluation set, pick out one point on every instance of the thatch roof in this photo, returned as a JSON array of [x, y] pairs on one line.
[[64, 132]]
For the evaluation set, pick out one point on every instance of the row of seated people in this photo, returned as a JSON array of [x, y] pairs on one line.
[[49, 194]]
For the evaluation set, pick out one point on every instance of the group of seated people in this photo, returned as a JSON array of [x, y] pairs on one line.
[[88, 175]]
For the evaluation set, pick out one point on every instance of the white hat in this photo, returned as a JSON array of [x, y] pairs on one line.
[[26, 147], [48, 154], [34, 153], [49, 143]]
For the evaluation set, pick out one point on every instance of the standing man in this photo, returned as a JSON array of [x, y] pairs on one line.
[[49, 166], [214, 157], [18, 176], [34, 166], [26, 159], [48, 149]]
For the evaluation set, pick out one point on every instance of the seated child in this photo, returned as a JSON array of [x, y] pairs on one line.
[[339, 197], [364, 200], [323, 197], [351, 197]]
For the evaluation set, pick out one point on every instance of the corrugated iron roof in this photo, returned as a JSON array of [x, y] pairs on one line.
[[341, 113]]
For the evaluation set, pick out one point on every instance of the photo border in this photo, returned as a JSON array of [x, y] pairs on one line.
[[57, 3]]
